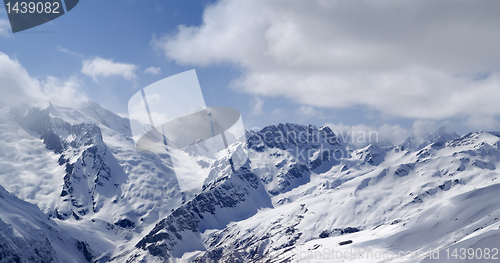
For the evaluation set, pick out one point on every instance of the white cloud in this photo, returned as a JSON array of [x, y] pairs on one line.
[[413, 59], [99, 67], [308, 112], [422, 127], [483, 122], [4, 27], [256, 105], [153, 70], [19, 88], [67, 51], [362, 135], [393, 133], [64, 92]]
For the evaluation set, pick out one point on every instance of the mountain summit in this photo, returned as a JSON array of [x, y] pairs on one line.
[[301, 195], [442, 135]]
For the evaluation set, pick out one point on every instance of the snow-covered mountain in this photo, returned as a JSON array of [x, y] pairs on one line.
[[28, 235], [302, 195], [80, 167]]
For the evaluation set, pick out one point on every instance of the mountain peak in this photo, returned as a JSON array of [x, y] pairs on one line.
[[442, 135], [444, 132]]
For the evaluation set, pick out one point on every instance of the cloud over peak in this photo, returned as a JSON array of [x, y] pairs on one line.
[[19, 88], [412, 59]]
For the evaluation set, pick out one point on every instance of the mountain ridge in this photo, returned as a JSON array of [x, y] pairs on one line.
[[301, 188]]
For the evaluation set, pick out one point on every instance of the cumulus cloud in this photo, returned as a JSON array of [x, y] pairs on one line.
[[18, 88], [414, 59], [422, 127], [99, 67], [153, 70], [64, 92]]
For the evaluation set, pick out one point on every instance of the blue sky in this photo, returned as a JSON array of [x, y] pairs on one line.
[[401, 68], [122, 31], [117, 30]]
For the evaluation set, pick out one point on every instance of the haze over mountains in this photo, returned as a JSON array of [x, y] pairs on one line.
[[76, 190]]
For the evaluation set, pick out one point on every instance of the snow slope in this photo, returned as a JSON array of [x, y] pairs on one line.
[[423, 201], [28, 235], [302, 194], [80, 167], [384, 200]]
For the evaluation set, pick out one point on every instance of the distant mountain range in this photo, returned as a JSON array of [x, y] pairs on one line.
[[304, 195]]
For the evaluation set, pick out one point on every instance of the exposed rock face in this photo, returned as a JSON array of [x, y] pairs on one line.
[[239, 194], [301, 190], [84, 156]]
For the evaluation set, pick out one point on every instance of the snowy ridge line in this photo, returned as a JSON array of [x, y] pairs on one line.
[[304, 192]]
